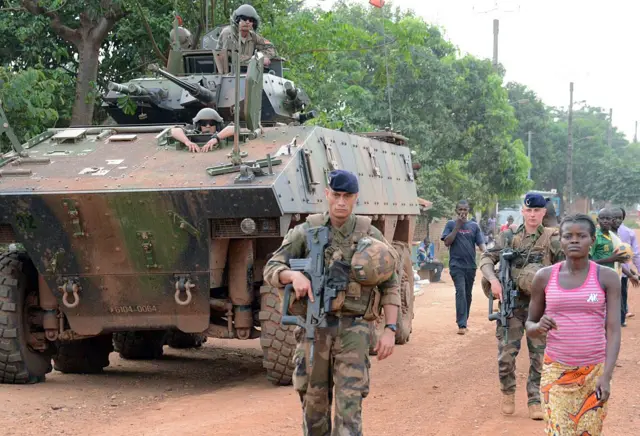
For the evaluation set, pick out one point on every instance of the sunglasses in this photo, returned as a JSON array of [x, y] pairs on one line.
[[207, 123], [245, 18]]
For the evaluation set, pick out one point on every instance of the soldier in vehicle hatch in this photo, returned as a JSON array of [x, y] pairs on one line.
[[206, 121], [341, 351], [247, 20]]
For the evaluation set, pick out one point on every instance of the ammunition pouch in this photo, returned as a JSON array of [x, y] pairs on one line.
[[519, 262], [523, 276]]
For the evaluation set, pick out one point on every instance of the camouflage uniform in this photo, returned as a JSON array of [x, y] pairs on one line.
[[229, 37], [341, 351], [541, 247]]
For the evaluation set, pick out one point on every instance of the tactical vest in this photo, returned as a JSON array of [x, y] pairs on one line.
[[356, 300], [530, 261]]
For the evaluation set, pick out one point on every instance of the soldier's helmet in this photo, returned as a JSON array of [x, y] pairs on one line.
[[247, 11], [373, 262], [207, 114], [625, 249]]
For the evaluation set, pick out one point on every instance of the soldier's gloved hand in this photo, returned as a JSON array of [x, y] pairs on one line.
[[193, 147], [546, 323], [496, 289], [302, 286]]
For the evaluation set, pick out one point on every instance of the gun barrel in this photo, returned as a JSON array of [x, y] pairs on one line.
[[137, 90], [113, 86], [198, 91]]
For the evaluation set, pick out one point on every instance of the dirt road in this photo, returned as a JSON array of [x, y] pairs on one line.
[[438, 384]]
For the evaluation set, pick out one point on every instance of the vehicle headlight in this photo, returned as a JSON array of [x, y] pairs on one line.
[[248, 226]]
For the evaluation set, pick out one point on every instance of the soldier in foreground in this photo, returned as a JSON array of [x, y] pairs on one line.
[[206, 121], [537, 246], [247, 20], [340, 351]]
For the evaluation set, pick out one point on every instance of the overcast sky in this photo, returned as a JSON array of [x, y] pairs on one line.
[[546, 44]]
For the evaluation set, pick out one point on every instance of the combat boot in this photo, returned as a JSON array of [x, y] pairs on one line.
[[508, 404], [535, 412]]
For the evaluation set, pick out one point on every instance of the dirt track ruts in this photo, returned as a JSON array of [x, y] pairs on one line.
[[438, 384]]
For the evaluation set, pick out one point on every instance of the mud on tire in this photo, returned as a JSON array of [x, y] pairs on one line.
[[181, 340], [139, 345], [18, 362], [86, 356], [278, 342]]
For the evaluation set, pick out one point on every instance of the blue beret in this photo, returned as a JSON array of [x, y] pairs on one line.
[[343, 181], [534, 200]]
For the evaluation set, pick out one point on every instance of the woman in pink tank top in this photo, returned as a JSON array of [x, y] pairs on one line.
[[576, 303]]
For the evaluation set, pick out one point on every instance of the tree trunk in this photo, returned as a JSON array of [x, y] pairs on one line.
[[85, 98]]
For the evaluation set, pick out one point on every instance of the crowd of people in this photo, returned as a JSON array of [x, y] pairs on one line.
[[571, 281]]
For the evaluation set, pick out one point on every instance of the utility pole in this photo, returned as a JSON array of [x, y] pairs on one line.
[[570, 152], [635, 135], [496, 29], [610, 129], [529, 152]]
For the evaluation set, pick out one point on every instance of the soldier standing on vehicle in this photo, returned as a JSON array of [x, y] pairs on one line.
[[537, 246], [341, 350], [247, 20], [206, 121]]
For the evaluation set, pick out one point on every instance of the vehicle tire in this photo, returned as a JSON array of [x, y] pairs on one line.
[[181, 340], [19, 363], [84, 356], [278, 342], [405, 274], [139, 345]]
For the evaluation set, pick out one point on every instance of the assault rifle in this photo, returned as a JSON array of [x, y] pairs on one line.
[[324, 285], [509, 291]]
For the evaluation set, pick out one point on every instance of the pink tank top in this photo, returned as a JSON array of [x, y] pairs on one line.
[[580, 315]]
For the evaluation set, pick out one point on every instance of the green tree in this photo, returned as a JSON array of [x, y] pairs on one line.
[[34, 100]]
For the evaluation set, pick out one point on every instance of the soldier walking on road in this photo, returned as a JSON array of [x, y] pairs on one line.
[[537, 246], [341, 350], [461, 236]]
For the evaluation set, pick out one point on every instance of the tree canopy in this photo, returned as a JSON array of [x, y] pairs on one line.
[[467, 128]]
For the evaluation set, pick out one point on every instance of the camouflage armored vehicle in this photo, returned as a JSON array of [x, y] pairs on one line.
[[121, 237]]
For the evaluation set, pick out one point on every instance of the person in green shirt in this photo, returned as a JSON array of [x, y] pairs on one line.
[[602, 251]]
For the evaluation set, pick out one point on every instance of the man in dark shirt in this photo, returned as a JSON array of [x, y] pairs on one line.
[[461, 236]]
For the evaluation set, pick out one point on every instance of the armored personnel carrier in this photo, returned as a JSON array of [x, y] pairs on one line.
[[123, 238]]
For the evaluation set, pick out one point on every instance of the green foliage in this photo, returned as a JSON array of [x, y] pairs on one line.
[[453, 109], [600, 172], [35, 100]]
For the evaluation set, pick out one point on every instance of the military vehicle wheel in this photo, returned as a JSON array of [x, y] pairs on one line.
[[85, 356], [278, 342], [18, 285], [405, 315], [181, 340], [139, 345]]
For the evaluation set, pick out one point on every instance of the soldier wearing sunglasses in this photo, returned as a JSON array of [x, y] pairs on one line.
[[247, 20], [206, 121]]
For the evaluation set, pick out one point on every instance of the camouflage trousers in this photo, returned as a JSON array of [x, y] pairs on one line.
[[507, 353], [340, 360]]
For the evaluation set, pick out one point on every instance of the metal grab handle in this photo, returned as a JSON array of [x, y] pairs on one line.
[[76, 299]]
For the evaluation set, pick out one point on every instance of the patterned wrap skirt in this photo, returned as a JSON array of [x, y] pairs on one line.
[[569, 401]]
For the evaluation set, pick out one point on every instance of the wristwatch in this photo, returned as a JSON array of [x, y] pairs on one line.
[[392, 327]]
